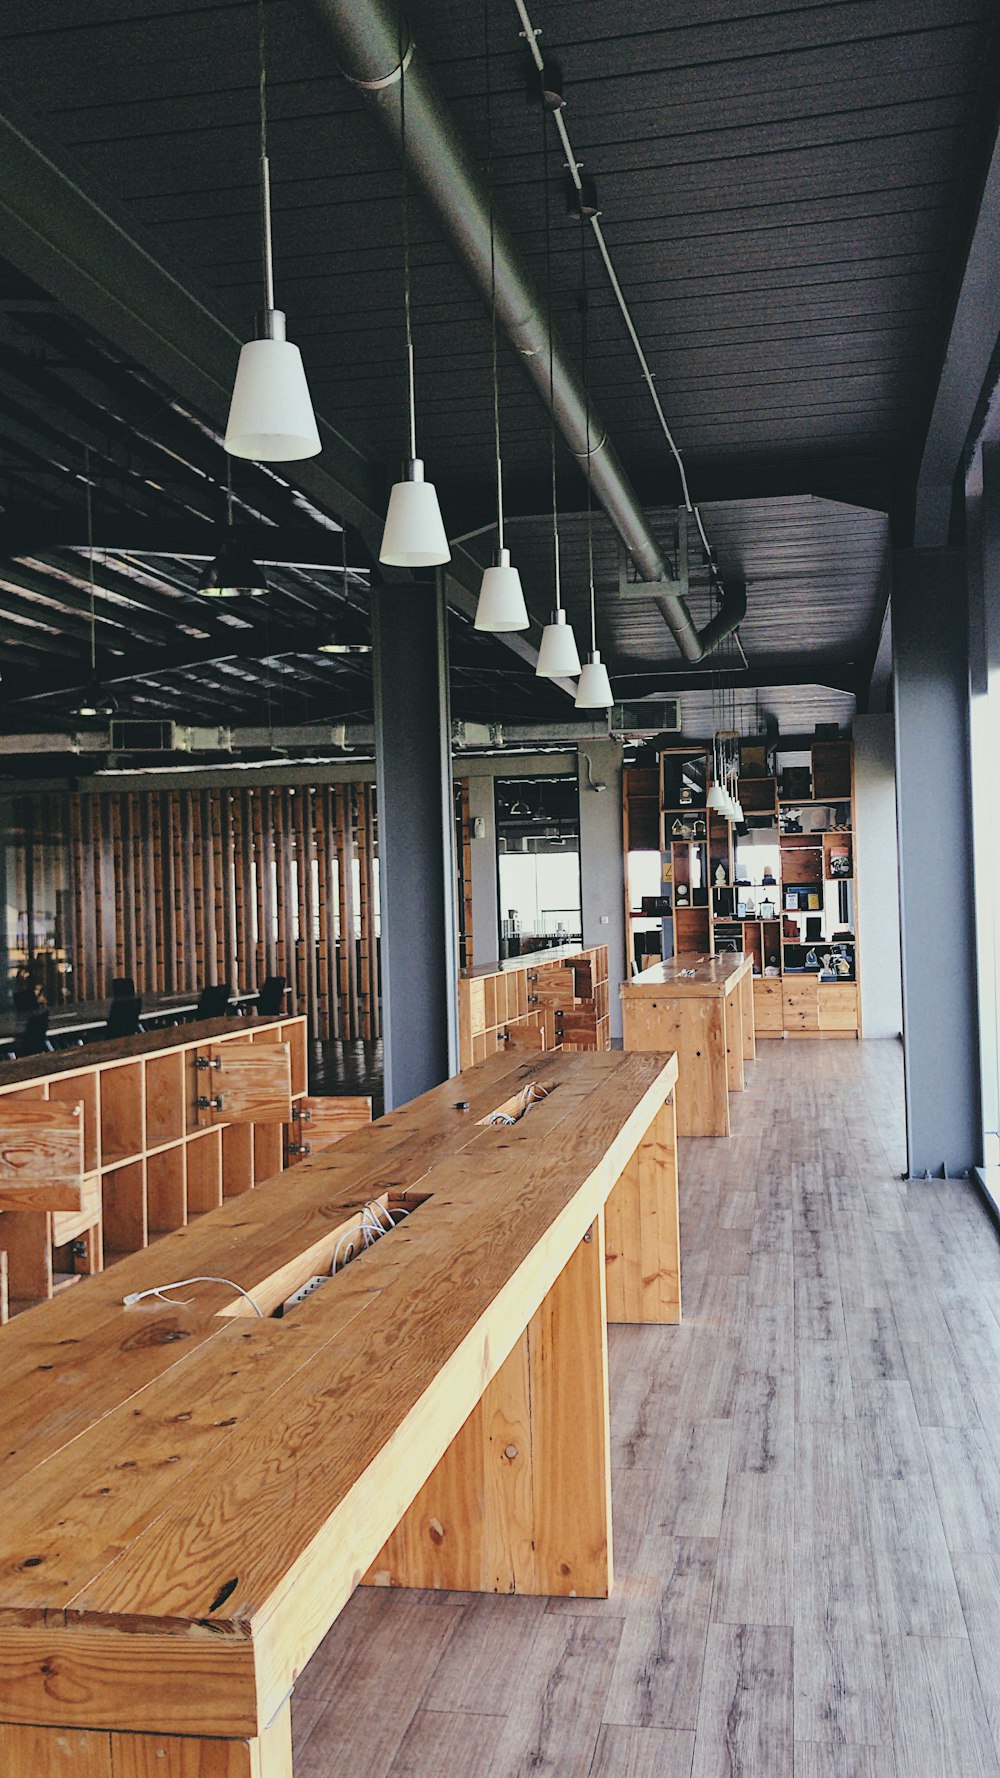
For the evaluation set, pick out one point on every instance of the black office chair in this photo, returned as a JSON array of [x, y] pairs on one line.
[[34, 1040], [123, 988], [271, 997], [123, 1016], [214, 1001]]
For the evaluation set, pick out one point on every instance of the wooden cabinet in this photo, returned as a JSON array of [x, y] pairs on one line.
[[767, 1006], [800, 1003], [838, 1006], [561, 994]]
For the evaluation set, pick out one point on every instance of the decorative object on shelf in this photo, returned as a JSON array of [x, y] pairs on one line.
[[768, 909], [840, 864], [685, 796], [796, 784], [682, 895], [271, 417], [768, 878], [699, 828], [720, 873], [679, 828], [790, 821], [791, 899]]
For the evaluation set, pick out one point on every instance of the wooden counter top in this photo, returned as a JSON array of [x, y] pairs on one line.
[[694, 973], [530, 960], [190, 1494], [125, 1049]]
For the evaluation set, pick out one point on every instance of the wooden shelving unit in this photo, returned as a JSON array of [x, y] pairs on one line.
[[547, 998], [704, 916], [151, 1160]]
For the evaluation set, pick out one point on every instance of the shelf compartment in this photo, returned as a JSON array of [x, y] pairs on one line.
[[122, 1113], [204, 1172], [164, 1099], [166, 1190], [126, 1226]]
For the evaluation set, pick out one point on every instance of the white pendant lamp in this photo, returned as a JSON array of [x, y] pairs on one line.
[[501, 604], [558, 656], [414, 534], [594, 690], [717, 799], [271, 417]]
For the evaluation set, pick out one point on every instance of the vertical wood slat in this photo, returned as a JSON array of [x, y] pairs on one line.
[[177, 888], [349, 1009]]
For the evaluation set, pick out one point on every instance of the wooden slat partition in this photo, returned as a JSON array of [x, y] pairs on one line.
[[177, 888]]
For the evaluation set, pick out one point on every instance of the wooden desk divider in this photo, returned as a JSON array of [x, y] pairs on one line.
[[435, 1415], [41, 1156], [152, 1161]]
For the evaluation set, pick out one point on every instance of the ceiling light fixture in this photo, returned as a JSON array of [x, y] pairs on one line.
[[344, 647], [93, 701], [501, 606], [271, 415], [414, 534], [558, 656], [233, 573], [594, 689]]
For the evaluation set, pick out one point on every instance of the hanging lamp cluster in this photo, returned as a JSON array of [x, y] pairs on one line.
[[271, 419]]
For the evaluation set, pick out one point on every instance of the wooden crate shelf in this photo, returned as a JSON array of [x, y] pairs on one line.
[[148, 1166], [562, 994]]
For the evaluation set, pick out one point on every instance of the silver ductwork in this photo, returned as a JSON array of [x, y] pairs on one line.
[[370, 43]]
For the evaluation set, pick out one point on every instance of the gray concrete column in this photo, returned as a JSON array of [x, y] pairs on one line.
[[602, 862], [416, 838], [485, 886], [931, 697]]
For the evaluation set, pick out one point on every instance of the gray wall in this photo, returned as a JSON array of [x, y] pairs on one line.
[[602, 865], [485, 886], [876, 872], [940, 1016]]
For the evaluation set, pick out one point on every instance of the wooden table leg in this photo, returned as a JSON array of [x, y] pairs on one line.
[[100, 1753], [732, 1019], [642, 1230], [747, 1016], [521, 1500]]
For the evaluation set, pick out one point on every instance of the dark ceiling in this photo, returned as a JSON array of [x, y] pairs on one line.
[[787, 192]]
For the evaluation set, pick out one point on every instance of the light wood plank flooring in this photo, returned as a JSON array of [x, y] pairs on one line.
[[807, 1497]]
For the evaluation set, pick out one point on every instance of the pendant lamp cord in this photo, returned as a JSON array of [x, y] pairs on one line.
[[585, 331], [90, 563], [552, 407], [265, 168], [410, 392], [493, 272]]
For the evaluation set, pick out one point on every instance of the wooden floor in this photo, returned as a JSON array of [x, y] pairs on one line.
[[807, 1494]]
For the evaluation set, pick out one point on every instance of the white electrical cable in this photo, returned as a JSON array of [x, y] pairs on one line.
[[158, 1290]]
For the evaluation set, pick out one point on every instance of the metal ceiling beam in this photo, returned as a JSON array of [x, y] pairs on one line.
[[372, 42], [763, 671], [70, 243], [969, 372]]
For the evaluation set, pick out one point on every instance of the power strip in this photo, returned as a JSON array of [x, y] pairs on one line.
[[304, 1290]]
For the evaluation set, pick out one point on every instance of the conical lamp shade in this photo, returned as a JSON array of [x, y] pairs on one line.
[[414, 535], [233, 574], [501, 599], [594, 690], [271, 417], [558, 656], [717, 800]]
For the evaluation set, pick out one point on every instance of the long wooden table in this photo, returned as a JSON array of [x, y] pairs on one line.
[[190, 1494], [701, 1006]]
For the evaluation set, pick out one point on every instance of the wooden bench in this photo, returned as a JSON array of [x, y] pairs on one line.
[[702, 1007], [190, 1494]]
